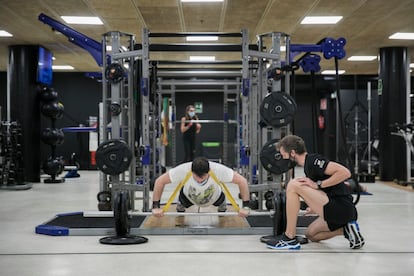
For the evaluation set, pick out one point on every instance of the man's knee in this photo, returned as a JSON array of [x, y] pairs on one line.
[[311, 235], [293, 186]]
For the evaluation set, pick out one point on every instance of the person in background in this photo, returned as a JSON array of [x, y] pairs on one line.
[[189, 131]]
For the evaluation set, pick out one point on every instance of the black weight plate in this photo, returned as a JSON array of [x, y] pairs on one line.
[[282, 196], [269, 156], [278, 109], [271, 159], [277, 217], [122, 221], [114, 73], [104, 196], [113, 157]]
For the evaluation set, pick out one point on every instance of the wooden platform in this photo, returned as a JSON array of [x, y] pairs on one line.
[[194, 221]]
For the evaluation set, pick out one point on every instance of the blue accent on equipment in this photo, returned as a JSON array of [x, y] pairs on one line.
[[246, 87], [146, 158], [87, 43], [52, 230], [329, 47]]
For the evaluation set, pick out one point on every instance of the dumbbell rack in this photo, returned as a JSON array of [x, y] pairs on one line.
[[11, 158]]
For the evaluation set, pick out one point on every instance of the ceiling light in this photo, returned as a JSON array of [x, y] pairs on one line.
[[321, 19], [411, 65], [332, 72], [189, 1], [88, 20], [402, 36], [3, 33], [202, 38], [62, 67], [362, 58], [202, 58]]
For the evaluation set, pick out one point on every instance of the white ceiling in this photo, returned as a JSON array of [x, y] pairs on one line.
[[366, 25]]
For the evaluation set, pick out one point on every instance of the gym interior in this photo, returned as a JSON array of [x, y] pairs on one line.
[[81, 147]]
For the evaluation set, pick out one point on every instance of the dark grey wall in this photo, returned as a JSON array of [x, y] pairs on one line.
[[81, 95]]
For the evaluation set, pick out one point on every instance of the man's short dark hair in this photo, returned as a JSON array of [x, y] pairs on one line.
[[292, 142], [200, 166]]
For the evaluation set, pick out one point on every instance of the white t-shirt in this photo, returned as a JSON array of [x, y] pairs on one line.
[[206, 194]]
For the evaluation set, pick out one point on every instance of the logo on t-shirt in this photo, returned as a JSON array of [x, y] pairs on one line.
[[201, 196], [319, 163]]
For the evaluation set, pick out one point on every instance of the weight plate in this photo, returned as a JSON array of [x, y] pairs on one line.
[[113, 157], [278, 109], [122, 221]]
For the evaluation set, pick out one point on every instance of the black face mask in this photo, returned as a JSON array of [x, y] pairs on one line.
[[283, 165]]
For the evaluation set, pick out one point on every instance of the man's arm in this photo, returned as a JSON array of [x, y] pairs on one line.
[[243, 186], [337, 172], [159, 184]]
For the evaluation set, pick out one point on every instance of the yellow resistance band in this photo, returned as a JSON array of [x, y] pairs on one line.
[[226, 191], [179, 186]]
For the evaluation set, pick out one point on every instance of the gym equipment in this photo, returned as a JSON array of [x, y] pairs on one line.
[[310, 63], [11, 157], [48, 94], [269, 201], [174, 214], [104, 201], [113, 157], [52, 109], [115, 109], [280, 213], [122, 223], [369, 176], [52, 136], [278, 109], [114, 73], [272, 160], [406, 131], [53, 166]]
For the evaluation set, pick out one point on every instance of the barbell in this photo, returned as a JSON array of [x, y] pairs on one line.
[[189, 214]]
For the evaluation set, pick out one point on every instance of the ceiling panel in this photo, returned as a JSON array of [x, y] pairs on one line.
[[366, 25]]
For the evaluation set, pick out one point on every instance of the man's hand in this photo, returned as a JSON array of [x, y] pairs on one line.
[[158, 212], [307, 182], [244, 212]]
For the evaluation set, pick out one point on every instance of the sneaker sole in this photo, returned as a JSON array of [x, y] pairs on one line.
[[289, 247]]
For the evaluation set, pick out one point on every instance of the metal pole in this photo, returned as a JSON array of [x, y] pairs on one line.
[[369, 126]]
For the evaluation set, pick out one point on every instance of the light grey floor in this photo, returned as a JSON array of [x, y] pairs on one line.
[[386, 220]]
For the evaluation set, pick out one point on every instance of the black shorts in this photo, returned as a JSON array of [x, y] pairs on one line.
[[339, 211], [187, 203]]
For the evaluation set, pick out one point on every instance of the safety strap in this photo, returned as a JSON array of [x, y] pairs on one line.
[[225, 190], [179, 186]]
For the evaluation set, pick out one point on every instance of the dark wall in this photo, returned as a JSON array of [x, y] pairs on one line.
[[81, 95], [212, 110]]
